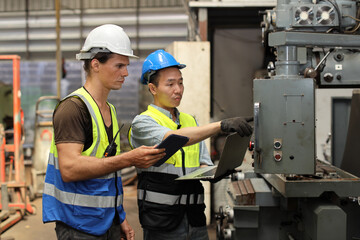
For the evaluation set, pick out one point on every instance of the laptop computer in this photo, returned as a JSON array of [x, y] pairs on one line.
[[231, 157]]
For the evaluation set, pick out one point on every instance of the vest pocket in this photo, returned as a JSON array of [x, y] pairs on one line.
[[89, 200], [160, 217], [89, 212], [93, 186]]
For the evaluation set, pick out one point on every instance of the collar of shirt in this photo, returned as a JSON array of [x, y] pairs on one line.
[[167, 113]]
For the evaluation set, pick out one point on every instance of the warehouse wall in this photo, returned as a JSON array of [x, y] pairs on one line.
[[30, 32], [39, 5]]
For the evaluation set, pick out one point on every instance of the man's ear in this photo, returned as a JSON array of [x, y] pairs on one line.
[[152, 88], [95, 64]]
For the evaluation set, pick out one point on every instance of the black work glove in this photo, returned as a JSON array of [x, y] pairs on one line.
[[237, 124]]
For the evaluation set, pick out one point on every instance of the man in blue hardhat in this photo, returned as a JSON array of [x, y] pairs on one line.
[[170, 209]]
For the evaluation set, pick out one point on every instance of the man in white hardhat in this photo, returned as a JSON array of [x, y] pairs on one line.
[[83, 191]]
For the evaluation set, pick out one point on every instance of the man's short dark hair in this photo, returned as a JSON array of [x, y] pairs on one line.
[[154, 78], [101, 57]]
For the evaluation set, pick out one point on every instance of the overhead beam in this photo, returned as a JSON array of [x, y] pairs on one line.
[[240, 3]]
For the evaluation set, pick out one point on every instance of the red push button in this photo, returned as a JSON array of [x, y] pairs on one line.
[[277, 157]]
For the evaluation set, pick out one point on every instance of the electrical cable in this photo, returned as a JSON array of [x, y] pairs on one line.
[[111, 149], [336, 6], [356, 19]]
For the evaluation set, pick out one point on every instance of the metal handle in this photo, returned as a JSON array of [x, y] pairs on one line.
[[256, 125]]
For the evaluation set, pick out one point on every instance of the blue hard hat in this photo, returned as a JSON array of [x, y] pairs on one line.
[[156, 61]]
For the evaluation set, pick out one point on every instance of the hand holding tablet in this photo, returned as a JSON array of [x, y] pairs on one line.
[[172, 144]]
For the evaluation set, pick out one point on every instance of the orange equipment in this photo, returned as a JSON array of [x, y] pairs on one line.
[[14, 196]]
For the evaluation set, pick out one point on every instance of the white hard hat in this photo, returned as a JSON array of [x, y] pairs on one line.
[[106, 38]]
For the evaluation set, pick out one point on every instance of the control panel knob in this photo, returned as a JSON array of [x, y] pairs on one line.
[[328, 77], [277, 144]]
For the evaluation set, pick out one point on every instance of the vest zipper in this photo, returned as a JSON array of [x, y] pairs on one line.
[[117, 193], [182, 155]]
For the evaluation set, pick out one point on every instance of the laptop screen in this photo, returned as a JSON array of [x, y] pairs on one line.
[[233, 153]]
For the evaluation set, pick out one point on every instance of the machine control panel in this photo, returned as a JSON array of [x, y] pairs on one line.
[[284, 125]]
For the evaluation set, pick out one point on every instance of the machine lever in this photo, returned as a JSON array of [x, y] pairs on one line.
[[323, 59], [256, 125], [256, 132]]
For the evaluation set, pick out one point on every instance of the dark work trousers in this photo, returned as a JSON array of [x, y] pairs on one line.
[[64, 232], [183, 232]]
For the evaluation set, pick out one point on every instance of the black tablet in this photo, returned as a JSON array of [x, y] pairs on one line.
[[172, 144]]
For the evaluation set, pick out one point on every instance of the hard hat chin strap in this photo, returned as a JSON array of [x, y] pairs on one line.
[[148, 75]]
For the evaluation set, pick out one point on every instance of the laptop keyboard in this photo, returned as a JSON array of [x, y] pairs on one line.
[[209, 173]]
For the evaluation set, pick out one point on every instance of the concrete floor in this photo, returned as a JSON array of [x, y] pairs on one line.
[[32, 227]]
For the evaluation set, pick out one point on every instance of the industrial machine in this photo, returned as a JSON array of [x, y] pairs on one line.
[[44, 108], [290, 194]]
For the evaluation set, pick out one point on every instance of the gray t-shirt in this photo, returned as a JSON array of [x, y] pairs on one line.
[[146, 131]]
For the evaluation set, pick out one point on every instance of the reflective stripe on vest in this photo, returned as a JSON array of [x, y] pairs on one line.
[[167, 199], [81, 199]]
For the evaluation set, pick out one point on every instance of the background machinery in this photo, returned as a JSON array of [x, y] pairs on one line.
[[42, 141], [290, 194]]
